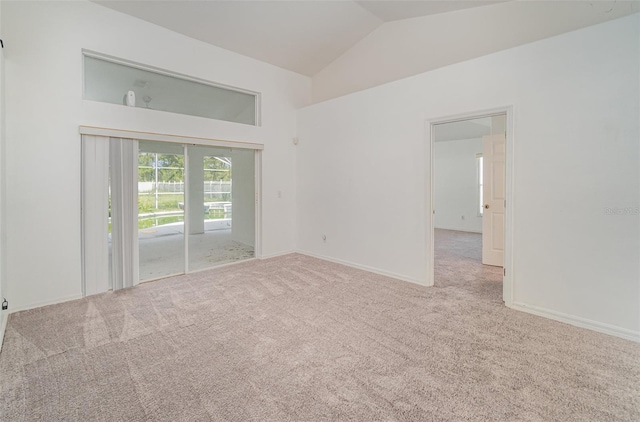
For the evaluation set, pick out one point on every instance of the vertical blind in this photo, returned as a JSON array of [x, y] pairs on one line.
[[123, 159], [107, 160]]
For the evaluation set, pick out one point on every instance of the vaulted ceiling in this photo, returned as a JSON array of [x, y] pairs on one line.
[[338, 41], [302, 36]]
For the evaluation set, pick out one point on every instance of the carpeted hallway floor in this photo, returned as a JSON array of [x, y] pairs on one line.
[[299, 339], [458, 262]]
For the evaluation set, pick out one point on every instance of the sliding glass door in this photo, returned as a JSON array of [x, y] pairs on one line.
[[207, 191], [221, 206], [160, 188], [153, 209]]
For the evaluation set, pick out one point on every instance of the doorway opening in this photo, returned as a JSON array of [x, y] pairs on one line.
[[469, 193]]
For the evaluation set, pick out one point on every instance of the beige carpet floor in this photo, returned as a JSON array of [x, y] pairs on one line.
[[458, 262], [299, 339]]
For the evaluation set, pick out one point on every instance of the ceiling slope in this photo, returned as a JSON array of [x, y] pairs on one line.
[[409, 47], [347, 46], [301, 36]]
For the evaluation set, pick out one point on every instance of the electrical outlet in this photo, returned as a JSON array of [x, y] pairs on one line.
[[5, 304]]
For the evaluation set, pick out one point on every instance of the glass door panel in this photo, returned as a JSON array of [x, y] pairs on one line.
[[161, 204], [221, 206]]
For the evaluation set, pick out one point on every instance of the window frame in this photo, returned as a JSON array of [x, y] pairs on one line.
[[169, 73]]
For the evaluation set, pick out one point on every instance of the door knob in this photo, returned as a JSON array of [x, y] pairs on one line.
[[486, 206]]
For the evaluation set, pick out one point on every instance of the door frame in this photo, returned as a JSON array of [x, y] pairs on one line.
[[509, 267]]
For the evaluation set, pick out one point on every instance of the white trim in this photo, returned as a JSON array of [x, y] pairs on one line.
[[3, 200], [493, 112], [430, 244], [600, 327], [509, 226], [479, 184], [508, 279], [364, 268], [3, 326], [162, 137], [46, 303]]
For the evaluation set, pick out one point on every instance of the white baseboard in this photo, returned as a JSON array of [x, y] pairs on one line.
[[364, 268], [4, 317], [45, 303], [578, 321], [277, 254]]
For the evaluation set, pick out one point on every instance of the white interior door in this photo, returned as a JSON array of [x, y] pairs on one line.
[[494, 199]]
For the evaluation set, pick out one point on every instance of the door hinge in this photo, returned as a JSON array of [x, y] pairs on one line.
[[504, 272], [505, 203], [1, 44]]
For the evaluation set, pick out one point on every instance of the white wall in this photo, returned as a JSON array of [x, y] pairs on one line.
[[44, 74], [455, 185], [576, 153]]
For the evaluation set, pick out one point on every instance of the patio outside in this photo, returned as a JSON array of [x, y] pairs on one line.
[[161, 215]]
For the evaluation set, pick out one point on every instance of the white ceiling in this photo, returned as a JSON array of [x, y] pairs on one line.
[[302, 36], [305, 36]]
